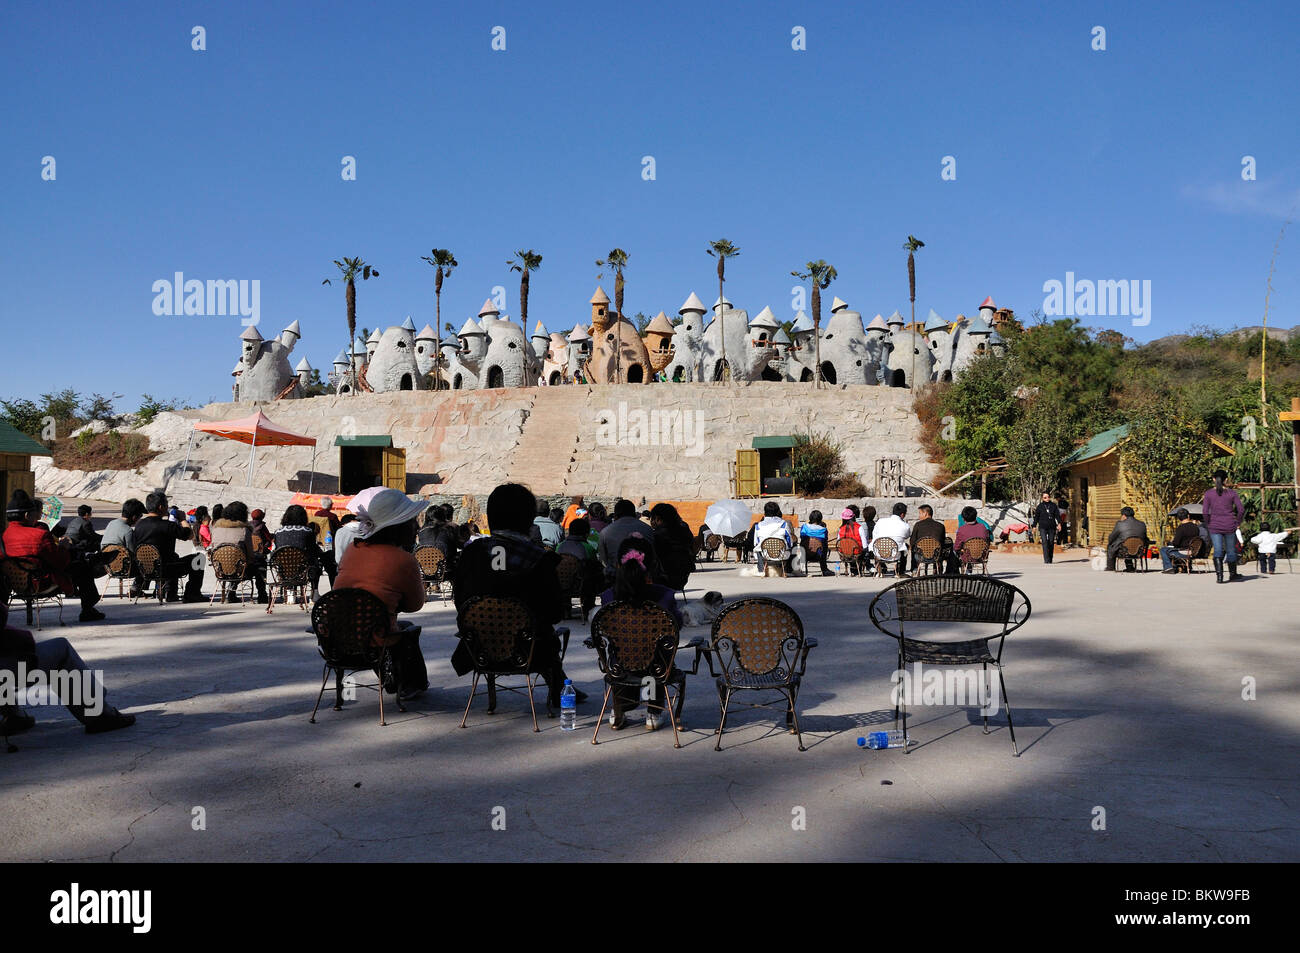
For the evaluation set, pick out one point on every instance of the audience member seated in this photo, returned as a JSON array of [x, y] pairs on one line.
[[1127, 525], [81, 533], [927, 527], [815, 528], [154, 529], [381, 562], [850, 528], [508, 563], [545, 530], [262, 538], [578, 544], [296, 532], [1184, 533], [52, 658], [971, 528], [328, 521], [577, 507], [442, 533], [674, 544], [597, 516], [348, 527], [233, 529], [771, 526], [120, 532], [611, 538], [632, 584], [25, 536], [895, 527]]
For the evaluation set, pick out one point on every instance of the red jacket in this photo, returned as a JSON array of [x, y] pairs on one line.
[[36, 543]]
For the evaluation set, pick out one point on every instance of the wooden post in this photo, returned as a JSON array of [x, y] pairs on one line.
[[984, 489]]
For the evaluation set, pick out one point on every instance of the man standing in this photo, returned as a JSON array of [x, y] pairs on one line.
[[1047, 517], [1222, 511], [1128, 525]]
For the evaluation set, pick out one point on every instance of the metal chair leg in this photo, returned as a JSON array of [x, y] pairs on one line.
[[338, 689], [601, 720], [323, 682], [472, 689], [723, 722], [984, 710], [1015, 751], [532, 684], [672, 716], [794, 713]]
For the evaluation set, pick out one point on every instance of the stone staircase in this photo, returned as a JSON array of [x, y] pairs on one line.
[[545, 453]]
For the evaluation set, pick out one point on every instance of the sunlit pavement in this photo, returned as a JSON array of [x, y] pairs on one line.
[[1126, 690]]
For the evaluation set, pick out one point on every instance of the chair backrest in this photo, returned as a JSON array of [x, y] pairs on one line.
[[884, 548], [569, 571], [148, 558], [119, 561], [774, 548], [928, 547], [229, 561], [758, 637], [815, 545], [290, 565], [974, 550], [634, 640], [735, 542], [22, 575], [712, 542], [432, 562], [347, 622], [498, 632], [1193, 548], [849, 547], [966, 599], [1134, 545]]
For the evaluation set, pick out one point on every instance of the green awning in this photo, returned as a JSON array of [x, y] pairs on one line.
[[773, 443], [13, 440], [364, 440]]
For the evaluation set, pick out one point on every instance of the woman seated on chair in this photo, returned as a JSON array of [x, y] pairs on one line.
[[578, 544], [674, 545], [971, 528], [26, 536], [296, 532], [851, 529], [815, 528], [234, 529], [632, 584], [382, 563]]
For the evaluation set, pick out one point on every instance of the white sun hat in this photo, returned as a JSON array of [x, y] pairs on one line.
[[387, 508]]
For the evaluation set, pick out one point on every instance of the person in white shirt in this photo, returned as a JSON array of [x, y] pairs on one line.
[[895, 527], [1266, 545], [771, 526]]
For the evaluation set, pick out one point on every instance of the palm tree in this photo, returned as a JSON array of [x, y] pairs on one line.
[[443, 262], [524, 262], [616, 260], [722, 250], [349, 268], [910, 246], [821, 275]]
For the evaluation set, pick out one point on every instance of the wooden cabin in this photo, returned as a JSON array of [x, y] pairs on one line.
[[16, 452]]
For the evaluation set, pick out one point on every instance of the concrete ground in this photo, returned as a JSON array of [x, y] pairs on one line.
[[1127, 694]]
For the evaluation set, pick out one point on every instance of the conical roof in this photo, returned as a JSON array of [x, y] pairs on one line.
[[979, 326], [600, 297], [540, 331], [470, 327], [579, 333], [935, 323], [877, 324], [764, 319], [302, 366], [838, 304], [660, 324], [239, 366], [426, 334], [996, 339], [375, 335], [781, 337], [988, 303], [488, 308], [721, 301], [895, 319], [801, 323], [693, 303], [358, 346], [251, 334], [408, 325], [294, 329], [341, 358]]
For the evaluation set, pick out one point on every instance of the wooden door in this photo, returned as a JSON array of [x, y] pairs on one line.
[[395, 468], [748, 482]]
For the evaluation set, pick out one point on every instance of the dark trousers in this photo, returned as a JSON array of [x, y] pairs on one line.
[[1048, 536], [407, 671], [83, 575]]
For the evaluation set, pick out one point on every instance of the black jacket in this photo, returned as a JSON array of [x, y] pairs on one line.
[[82, 535], [675, 547], [1047, 516]]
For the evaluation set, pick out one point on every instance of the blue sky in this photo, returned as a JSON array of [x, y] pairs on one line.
[[1122, 164]]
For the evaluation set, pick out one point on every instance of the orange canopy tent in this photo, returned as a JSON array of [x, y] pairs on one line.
[[256, 431]]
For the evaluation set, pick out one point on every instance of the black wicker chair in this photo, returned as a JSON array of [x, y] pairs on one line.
[[775, 552], [851, 555], [1185, 559], [23, 575], [433, 567], [289, 569], [120, 567], [148, 561], [738, 543], [498, 633], [929, 553], [952, 599], [975, 552], [1134, 549], [346, 623], [230, 564], [636, 643], [886, 551], [760, 646]]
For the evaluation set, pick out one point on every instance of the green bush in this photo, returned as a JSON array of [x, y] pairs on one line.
[[816, 462]]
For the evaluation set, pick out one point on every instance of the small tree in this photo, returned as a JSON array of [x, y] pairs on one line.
[[1168, 460], [1040, 440]]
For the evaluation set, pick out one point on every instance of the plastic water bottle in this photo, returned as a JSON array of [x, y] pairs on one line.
[[568, 707], [882, 739]]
